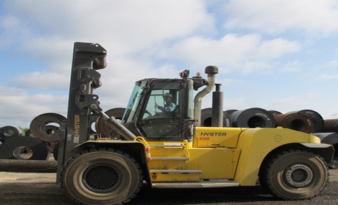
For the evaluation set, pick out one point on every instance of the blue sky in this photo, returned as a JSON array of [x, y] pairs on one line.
[[277, 55]]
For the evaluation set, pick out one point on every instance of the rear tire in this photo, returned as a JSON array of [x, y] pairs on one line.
[[101, 177], [294, 175]]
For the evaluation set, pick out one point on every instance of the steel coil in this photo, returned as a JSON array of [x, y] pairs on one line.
[[331, 125], [103, 128], [327, 137], [230, 111], [23, 147], [252, 117], [28, 133], [334, 162], [330, 138], [39, 123], [274, 112], [9, 132], [93, 118], [51, 129], [317, 119], [56, 152], [295, 121], [206, 118]]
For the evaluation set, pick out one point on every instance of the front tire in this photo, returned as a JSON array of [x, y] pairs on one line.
[[101, 177], [294, 175]]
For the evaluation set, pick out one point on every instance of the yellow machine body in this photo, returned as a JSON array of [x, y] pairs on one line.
[[218, 154]]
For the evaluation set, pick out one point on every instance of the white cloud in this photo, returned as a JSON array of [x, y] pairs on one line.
[[236, 103], [294, 66], [145, 39], [9, 22], [246, 53], [296, 103], [327, 77], [42, 80], [126, 25], [228, 82], [333, 63], [201, 51], [19, 108], [253, 66], [12, 33], [276, 16], [122, 27], [277, 47], [53, 51]]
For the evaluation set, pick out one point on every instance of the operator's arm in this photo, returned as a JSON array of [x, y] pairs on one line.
[[159, 107]]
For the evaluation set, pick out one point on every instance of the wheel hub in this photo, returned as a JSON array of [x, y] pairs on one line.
[[101, 178], [299, 175]]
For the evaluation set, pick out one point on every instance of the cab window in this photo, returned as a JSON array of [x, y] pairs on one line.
[[162, 104]]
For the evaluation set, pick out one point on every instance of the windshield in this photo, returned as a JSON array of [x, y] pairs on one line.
[[133, 102]]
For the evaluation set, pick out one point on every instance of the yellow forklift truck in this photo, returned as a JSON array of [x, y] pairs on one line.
[[160, 142]]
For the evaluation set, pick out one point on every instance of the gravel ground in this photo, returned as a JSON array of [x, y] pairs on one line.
[[40, 188]]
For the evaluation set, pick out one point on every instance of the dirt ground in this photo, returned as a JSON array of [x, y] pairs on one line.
[[40, 188]]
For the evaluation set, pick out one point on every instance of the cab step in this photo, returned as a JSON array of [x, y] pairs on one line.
[[170, 158], [167, 171], [167, 146], [185, 185]]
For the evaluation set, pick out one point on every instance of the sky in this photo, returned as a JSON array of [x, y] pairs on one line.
[[277, 55]]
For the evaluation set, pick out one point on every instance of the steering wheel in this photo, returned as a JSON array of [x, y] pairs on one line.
[[146, 111]]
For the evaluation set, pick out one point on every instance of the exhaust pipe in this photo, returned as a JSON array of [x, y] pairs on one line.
[[211, 71], [217, 107]]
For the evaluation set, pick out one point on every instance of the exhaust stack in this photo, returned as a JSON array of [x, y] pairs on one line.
[[217, 107], [211, 71]]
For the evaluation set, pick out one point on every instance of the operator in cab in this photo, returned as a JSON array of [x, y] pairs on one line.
[[169, 106]]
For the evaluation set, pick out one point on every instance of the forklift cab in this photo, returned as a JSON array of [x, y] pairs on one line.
[[161, 109]]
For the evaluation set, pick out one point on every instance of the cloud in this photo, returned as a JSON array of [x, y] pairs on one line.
[[294, 66], [277, 47], [327, 77], [131, 25], [333, 63], [295, 103], [54, 51], [144, 39], [42, 80], [323, 103], [124, 28], [12, 30], [236, 103], [19, 108], [245, 53], [277, 16]]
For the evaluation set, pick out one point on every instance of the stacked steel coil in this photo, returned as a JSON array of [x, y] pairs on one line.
[[38, 142], [331, 125], [103, 128], [206, 118], [42, 138], [252, 117], [330, 138], [295, 121]]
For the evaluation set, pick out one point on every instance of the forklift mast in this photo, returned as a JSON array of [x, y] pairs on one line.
[[87, 58]]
